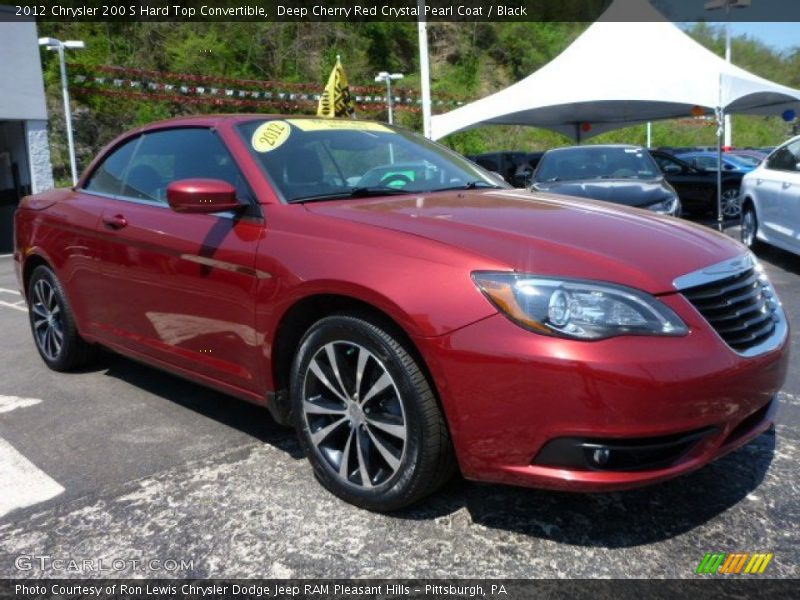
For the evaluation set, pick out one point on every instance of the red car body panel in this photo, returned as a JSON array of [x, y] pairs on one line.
[[617, 388], [203, 296], [551, 235]]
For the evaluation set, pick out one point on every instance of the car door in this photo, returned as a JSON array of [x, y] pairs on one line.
[[179, 287], [781, 214], [777, 191], [80, 245], [688, 182]]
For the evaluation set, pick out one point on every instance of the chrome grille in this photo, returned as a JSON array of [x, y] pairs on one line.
[[740, 308]]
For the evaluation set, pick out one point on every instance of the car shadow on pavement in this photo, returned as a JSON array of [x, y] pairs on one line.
[[608, 520], [780, 258], [248, 418]]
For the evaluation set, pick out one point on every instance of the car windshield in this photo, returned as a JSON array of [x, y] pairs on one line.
[[323, 159], [601, 162]]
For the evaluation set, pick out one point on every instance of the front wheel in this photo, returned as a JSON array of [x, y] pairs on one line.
[[53, 323], [366, 416], [750, 227]]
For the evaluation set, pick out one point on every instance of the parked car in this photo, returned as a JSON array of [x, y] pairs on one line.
[[515, 167], [697, 188], [758, 155], [771, 200], [675, 149], [613, 173], [709, 161], [406, 327]]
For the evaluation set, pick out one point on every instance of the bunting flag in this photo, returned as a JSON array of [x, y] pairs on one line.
[[335, 100], [184, 88]]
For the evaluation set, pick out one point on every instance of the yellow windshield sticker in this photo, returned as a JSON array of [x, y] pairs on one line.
[[334, 125], [270, 135]]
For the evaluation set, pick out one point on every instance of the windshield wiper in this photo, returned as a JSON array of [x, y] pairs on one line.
[[356, 192], [377, 190], [476, 183], [470, 185]]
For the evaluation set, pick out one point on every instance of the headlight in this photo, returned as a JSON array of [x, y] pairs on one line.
[[770, 295], [665, 207], [573, 308]]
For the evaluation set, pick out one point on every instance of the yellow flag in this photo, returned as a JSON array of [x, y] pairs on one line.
[[335, 100]]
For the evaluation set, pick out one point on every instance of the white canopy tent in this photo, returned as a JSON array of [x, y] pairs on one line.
[[619, 73]]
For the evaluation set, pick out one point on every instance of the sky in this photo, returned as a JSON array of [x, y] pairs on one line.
[[781, 36], [773, 22]]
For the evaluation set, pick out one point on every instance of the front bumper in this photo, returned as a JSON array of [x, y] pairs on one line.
[[508, 392]]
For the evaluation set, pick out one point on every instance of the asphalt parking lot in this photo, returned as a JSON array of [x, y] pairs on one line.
[[124, 463]]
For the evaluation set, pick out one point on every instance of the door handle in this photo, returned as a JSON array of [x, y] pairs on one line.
[[759, 181], [115, 222], [786, 184]]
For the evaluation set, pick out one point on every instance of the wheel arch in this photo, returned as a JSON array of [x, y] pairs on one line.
[[29, 265], [301, 315]]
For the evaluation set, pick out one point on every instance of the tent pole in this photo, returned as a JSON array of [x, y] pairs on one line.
[[424, 69], [649, 134], [720, 120]]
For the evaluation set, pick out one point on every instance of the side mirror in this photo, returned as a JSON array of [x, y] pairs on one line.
[[672, 169], [201, 196], [728, 167]]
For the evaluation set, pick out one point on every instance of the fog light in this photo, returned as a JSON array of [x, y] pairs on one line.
[[600, 456]]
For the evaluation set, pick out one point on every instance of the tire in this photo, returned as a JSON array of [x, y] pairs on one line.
[[53, 324], [750, 227], [389, 429], [731, 203]]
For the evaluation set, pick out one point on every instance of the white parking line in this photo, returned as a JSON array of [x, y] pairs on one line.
[[14, 305], [22, 482], [18, 305], [9, 403]]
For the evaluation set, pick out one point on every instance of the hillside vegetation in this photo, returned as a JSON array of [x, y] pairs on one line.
[[468, 61]]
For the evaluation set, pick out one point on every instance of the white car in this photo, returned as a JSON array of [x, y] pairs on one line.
[[771, 200]]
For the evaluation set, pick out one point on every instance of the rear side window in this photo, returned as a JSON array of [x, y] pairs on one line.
[[108, 177], [167, 156]]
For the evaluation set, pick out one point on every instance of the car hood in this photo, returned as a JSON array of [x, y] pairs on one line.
[[548, 234], [630, 192]]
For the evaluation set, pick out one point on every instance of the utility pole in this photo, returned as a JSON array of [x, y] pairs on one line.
[[59, 46]]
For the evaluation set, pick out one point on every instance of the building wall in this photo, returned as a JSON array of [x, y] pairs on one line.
[[23, 119], [21, 83], [39, 156], [22, 100]]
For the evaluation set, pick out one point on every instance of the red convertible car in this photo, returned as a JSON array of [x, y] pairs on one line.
[[407, 313]]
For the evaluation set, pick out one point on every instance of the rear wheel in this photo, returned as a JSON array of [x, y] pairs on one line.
[[366, 415], [53, 323], [731, 203]]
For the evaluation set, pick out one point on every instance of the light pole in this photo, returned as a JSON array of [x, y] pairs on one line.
[[727, 5], [59, 46], [388, 78]]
